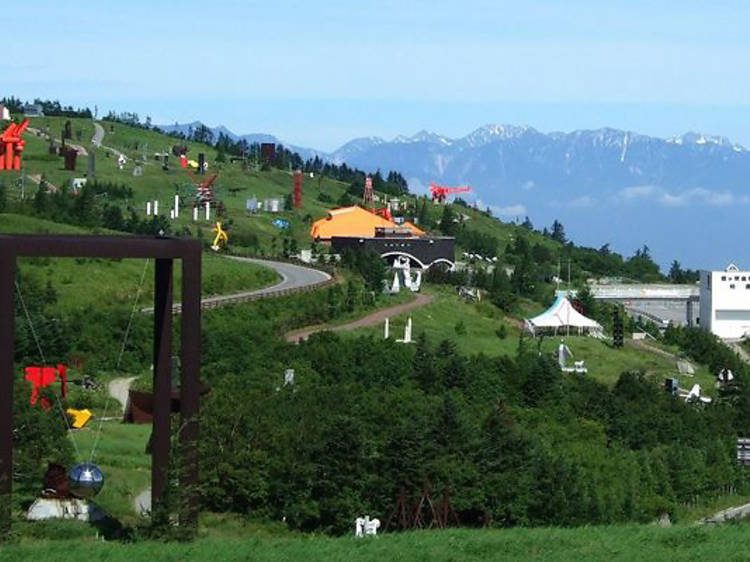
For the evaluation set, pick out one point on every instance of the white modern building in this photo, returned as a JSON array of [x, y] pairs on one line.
[[725, 302]]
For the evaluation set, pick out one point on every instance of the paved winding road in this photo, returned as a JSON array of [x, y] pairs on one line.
[[293, 278]]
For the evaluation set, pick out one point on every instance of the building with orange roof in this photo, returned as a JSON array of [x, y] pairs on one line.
[[356, 222]]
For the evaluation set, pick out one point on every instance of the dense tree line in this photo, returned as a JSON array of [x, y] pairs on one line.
[[96, 204], [51, 108], [513, 440]]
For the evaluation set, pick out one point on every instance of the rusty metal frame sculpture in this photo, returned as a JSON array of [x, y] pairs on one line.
[[164, 251]]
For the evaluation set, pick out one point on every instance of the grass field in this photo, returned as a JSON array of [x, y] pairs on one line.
[[626, 542]]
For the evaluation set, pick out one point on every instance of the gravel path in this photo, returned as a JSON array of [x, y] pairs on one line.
[[98, 135], [370, 320]]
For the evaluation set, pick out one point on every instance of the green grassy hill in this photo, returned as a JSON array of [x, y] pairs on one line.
[[234, 185]]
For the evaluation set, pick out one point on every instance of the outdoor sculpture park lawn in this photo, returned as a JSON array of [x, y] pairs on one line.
[[479, 334]]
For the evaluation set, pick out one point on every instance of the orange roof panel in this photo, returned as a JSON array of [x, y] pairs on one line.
[[348, 221]]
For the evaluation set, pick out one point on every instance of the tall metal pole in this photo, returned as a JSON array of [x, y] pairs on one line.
[[162, 378], [7, 376]]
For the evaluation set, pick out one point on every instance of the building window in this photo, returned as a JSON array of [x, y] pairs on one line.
[[723, 277], [744, 278], [747, 286], [731, 286]]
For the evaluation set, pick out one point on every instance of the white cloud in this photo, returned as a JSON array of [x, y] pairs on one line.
[[637, 191], [679, 199], [509, 211], [580, 202], [528, 185]]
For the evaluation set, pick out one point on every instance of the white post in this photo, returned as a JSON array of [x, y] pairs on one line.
[[407, 336], [148, 208], [386, 329], [156, 207], [176, 206], [208, 210], [195, 214], [171, 214]]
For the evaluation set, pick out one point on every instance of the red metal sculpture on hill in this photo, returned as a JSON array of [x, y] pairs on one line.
[[441, 192], [12, 145]]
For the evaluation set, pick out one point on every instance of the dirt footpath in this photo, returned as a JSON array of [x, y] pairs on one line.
[[370, 320]]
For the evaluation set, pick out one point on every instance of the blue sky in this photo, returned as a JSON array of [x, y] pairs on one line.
[[320, 73]]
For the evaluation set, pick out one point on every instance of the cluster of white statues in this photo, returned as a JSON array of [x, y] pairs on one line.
[[403, 276], [365, 526]]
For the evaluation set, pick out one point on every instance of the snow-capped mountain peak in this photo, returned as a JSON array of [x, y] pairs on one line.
[[700, 139], [424, 136], [494, 132]]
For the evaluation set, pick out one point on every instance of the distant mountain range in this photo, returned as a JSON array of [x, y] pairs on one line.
[[685, 196]]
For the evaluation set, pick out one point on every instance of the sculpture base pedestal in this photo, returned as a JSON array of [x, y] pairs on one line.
[[82, 510]]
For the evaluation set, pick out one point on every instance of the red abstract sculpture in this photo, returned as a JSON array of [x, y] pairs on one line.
[[41, 377], [12, 145], [441, 192]]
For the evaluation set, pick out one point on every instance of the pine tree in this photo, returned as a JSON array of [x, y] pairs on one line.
[[448, 224], [558, 232]]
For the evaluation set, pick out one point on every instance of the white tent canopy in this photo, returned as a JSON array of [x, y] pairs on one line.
[[562, 315]]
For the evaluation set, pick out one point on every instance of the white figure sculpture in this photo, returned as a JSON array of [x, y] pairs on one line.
[[176, 206], [407, 332], [364, 526], [289, 377], [387, 331], [371, 526], [695, 394], [396, 286], [563, 354], [402, 266], [156, 208], [416, 283], [725, 376], [121, 161], [359, 524], [148, 208]]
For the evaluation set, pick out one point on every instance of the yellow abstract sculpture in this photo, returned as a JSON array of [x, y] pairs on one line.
[[80, 417], [221, 237]]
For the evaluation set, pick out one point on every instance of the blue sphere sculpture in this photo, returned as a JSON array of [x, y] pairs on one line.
[[85, 480]]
